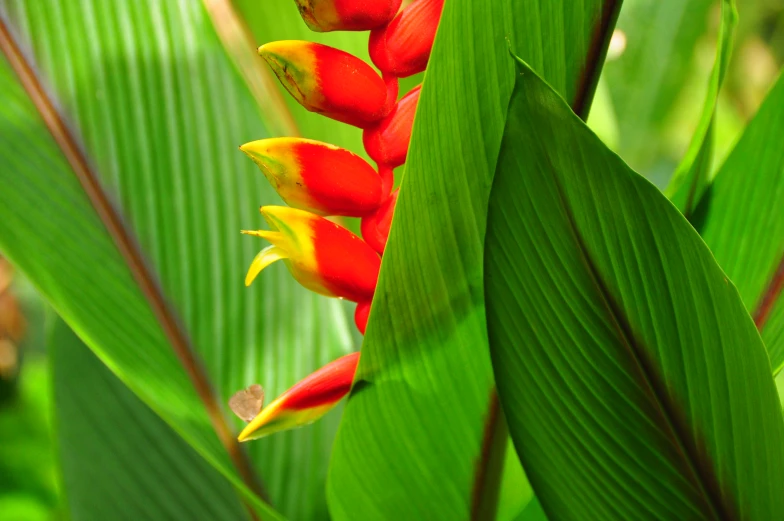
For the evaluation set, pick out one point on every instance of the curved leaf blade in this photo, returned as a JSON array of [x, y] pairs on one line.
[[119, 459], [692, 176], [634, 383], [425, 373], [741, 218]]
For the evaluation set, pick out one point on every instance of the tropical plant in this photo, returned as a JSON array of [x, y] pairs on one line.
[[544, 333]]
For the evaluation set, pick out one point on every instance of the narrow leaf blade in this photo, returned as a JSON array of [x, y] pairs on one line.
[[692, 176], [742, 220]]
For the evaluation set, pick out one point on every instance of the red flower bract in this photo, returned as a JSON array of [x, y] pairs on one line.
[[387, 141], [307, 401], [328, 81], [317, 177], [347, 15], [375, 227], [402, 48]]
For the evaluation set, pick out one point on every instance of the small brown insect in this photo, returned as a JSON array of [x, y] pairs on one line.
[[247, 403]]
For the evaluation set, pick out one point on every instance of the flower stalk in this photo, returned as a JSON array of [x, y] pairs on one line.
[[317, 179]]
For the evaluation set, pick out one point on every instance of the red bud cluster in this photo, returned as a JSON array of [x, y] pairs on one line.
[[402, 48], [321, 179]]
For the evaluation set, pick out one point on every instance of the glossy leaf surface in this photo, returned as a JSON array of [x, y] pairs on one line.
[[634, 382], [425, 372]]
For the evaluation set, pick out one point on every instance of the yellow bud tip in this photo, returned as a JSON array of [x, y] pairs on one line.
[[254, 429], [264, 258], [256, 150]]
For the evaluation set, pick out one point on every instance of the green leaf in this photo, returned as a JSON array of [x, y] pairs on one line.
[[425, 372], [119, 459], [692, 176], [645, 81], [633, 380], [158, 109], [532, 512], [28, 484], [741, 218]]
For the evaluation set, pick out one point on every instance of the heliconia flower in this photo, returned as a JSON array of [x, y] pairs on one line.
[[347, 15], [403, 47], [322, 256], [328, 81], [375, 227], [307, 401], [361, 315], [317, 177], [387, 141]]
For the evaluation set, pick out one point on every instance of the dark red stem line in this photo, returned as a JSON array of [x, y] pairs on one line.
[[597, 50], [770, 297], [586, 86], [128, 248], [489, 468]]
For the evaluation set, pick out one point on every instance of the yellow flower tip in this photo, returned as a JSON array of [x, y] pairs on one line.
[[282, 50], [263, 259], [260, 425], [283, 217], [258, 151]]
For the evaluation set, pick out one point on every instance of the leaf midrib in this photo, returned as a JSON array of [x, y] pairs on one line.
[[699, 474], [769, 296], [586, 86]]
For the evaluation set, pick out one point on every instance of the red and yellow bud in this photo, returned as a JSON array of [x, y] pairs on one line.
[[361, 315], [387, 141], [347, 15], [403, 47], [375, 227], [322, 256], [328, 81], [314, 176], [307, 401]]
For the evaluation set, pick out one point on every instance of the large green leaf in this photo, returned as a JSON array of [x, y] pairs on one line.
[[410, 445], [634, 382], [119, 460], [741, 218], [692, 176], [645, 81], [159, 109]]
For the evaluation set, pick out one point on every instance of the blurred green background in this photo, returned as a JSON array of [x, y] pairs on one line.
[[647, 105]]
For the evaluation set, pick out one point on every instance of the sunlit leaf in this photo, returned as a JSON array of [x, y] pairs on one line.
[[410, 444], [158, 109], [119, 460]]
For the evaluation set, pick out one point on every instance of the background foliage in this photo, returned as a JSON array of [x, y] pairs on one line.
[[158, 95]]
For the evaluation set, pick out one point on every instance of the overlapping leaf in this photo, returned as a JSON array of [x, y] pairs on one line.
[[634, 382], [741, 219], [692, 176], [410, 444]]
